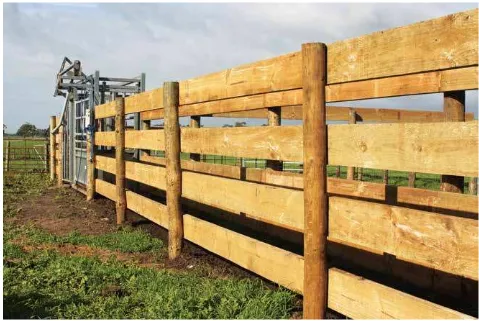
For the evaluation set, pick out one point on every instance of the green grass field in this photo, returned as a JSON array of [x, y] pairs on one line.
[[42, 281]]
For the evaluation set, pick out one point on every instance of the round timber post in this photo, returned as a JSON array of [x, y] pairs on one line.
[[195, 122], [454, 110], [120, 160], [274, 119], [173, 168], [352, 120], [315, 159]]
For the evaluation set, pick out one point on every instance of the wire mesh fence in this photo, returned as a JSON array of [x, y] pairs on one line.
[[26, 155], [390, 177]]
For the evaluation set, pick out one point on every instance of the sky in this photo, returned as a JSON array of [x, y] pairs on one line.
[[172, 42]]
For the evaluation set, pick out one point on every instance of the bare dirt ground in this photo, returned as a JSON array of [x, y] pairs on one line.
[[61, 211]]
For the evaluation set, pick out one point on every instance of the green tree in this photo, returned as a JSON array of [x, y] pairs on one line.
[[27, 130]]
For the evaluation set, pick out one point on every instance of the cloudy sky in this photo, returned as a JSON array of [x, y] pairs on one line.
[[178, 41]]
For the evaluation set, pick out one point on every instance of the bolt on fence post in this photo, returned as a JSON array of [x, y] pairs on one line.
[[352, 120], [315, 292], [454, 110], [173, 168], [274, 119], [120, 160], [53, 124]]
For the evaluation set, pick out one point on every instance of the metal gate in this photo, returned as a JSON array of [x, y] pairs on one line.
[[79, 141]]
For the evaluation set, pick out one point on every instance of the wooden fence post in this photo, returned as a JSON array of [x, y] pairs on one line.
[[412, 179], [173, 168], [315, 176], [7, 157], [120, 160], [338, 171], [352, 120], [386, 176], [145, 125], [53, 124], [360, 173], [454, 110], [59, 158], [274, 119], [473, 186], [195, 122]]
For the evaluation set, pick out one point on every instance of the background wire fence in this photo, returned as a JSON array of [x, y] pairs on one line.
[[396, 178]]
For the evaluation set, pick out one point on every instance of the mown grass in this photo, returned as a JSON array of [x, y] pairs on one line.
[[48, 284]]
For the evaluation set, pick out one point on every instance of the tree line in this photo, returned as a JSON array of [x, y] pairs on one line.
[[29, 130]]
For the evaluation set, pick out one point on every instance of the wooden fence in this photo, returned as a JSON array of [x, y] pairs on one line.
[[365, 250]]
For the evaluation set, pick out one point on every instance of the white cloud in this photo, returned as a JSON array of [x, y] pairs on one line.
[[176, 41]]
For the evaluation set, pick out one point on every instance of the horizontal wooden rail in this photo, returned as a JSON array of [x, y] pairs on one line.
[[422, 83], [394, 195], [149, 100], [442, 242], [440, 148], [351, 295], [146, 174], [139, 139], [438, 241]]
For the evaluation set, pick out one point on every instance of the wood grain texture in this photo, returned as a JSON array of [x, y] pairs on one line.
[[360, 298], [273, 263], [145, 101], [446, 42], [275, 205], [315, 158], [442, 242], [277, 143], [446, 148], [415, 84], [151, 175], [140, 139], [120, 180], [173, 169], [275, 74]]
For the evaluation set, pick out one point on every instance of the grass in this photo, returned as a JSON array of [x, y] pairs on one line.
[[49, 284], [23, 154]]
